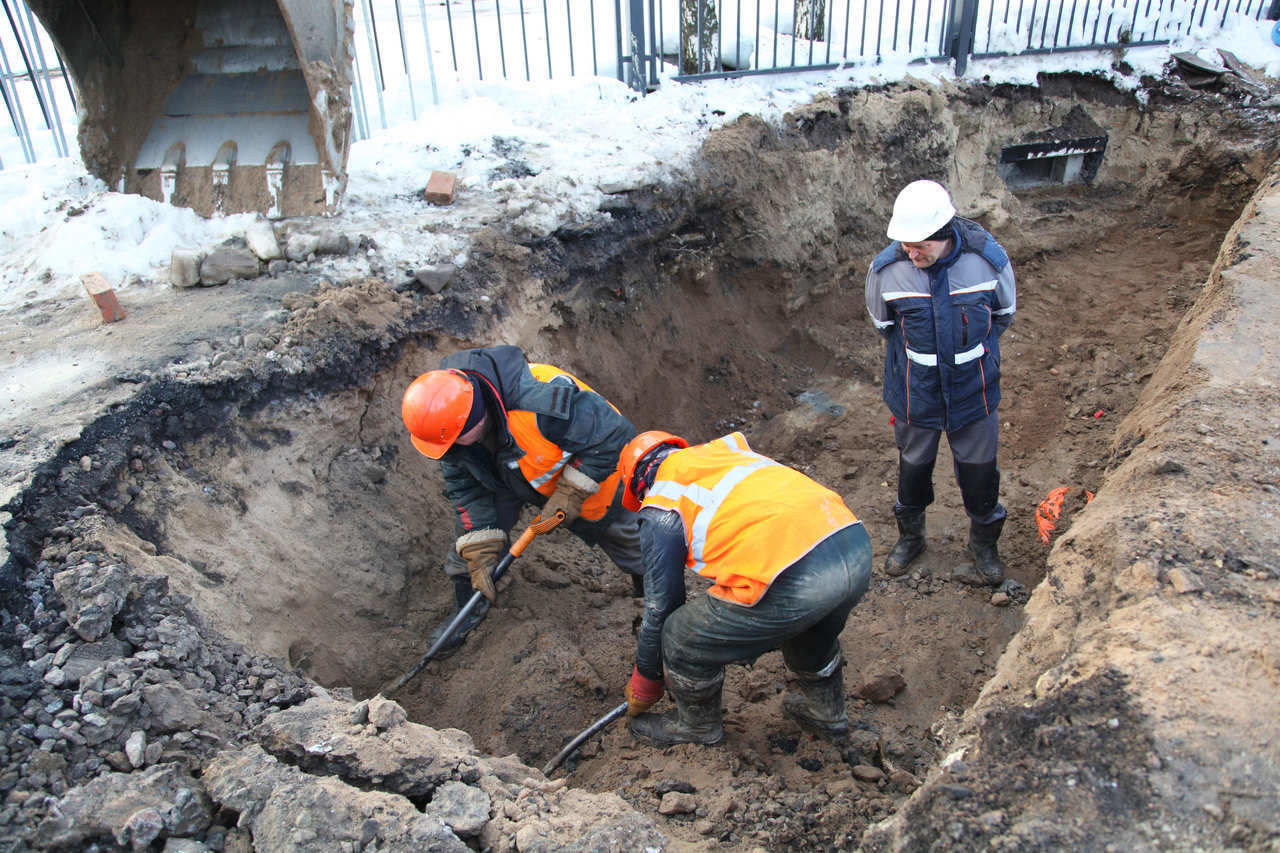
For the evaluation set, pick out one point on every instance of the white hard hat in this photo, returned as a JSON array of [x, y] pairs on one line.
[[920, 209]]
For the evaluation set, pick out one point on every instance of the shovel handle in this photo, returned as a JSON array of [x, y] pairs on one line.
[[536, 527], [583, 736]]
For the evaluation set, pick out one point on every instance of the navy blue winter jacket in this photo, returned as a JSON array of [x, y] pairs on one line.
[[942, 325]]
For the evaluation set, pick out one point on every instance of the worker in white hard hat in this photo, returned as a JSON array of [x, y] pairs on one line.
[[941, 294]]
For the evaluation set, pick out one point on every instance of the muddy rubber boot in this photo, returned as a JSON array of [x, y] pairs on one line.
[[462, 592], [818, 703], [910, 545], [986, 568], [697, 718]]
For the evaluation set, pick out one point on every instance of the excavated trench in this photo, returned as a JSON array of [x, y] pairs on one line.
[[294, 512]]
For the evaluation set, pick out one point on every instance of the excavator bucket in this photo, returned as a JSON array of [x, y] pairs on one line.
[[223, 106]]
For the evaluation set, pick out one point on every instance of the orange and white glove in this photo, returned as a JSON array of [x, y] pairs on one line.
[[482, 549], [642, 693], [574, 488]]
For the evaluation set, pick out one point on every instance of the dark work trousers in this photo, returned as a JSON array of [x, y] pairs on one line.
[[620, 539], [802, 613], [973, 449]]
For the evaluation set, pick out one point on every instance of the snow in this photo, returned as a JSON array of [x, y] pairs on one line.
[[575, 141]]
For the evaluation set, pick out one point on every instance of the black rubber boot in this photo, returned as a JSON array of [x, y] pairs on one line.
[[697, 718], [637, 586], [818, 704], [462, 592], [909, 546], [986, 568]]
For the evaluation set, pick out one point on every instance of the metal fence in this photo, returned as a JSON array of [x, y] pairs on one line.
[[38, 96], [411, 55]]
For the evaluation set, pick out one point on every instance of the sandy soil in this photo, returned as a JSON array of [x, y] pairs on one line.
[[255, 457]]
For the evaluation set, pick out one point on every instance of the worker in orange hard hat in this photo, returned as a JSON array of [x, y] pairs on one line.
[[787, 562], [510, 433]]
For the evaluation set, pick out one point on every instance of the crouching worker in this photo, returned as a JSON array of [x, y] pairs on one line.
[[508, 434], [787, 561]]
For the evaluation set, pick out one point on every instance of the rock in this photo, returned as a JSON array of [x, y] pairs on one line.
[[435, 278], [867, 773], [333, 243], [93, 596], [179, 638], [301, 245], [227, 262], [262, 241], [285, 809], [141, 828], [864, 746], [174, 708], [186, 845], [999, 599], [163, 799], [903, 781], [677, 802], [666, 786], [184, 267], [1184, 581], [882, 687], [135, 748], [386, 713], [88, 657], [464, 809]]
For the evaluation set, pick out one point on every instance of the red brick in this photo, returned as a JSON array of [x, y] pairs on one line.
[[104, 296], [440, 188]]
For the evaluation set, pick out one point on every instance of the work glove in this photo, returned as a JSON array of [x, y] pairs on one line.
[[482, 549], [642, 693], [574, 488]]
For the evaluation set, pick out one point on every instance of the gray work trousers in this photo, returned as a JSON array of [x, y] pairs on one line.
[[973, 452], [802, 613]]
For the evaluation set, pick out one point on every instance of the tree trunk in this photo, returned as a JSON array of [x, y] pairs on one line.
[[699, 55]]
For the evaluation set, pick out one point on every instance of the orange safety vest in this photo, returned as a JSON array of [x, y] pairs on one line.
[[543, 459], [746, 517]]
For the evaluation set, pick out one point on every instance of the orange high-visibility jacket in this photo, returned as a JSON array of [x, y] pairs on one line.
[[746, 517], [543, 460]]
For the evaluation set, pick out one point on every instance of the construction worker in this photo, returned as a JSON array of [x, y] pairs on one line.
[[941, 295], [509, 433], [787, 561]]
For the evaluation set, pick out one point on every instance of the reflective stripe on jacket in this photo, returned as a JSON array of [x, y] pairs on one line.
[[543, 460], [746, 517]]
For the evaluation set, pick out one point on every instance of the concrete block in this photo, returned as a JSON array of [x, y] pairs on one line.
[[227, 262], [440, 188], [301, 246], [184, 267], [103, 296], [262, 241]]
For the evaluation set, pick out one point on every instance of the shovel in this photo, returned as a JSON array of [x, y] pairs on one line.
[[582, 737], [538, 525]]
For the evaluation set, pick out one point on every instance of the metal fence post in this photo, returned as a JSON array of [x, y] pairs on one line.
[[958, 42]]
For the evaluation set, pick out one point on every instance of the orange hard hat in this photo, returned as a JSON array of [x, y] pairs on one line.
[[631, 455], [435, 409]]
